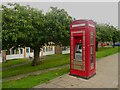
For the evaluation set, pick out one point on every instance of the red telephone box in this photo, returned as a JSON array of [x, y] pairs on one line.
[[82, 48]]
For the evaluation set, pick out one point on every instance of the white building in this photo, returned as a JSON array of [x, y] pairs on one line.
[[28, 52]]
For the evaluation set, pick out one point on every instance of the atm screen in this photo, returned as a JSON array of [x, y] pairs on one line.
[[78, 52]]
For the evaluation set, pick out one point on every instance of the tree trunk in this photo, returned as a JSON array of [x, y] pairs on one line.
[[25, 52], [113, 44], [3, 55], [96, 45], [36, 60], [58, 49]]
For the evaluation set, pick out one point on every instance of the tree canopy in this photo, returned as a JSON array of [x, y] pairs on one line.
[[23, 26], [26, 26], [107, 33], [58, 22]]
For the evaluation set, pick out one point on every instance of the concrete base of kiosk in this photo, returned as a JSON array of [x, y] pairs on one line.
[[83, 77]]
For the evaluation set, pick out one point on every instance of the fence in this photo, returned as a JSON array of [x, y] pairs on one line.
[[30, 54], [0, 57]]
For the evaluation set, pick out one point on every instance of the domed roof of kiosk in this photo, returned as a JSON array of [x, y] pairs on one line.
[[82, 21]]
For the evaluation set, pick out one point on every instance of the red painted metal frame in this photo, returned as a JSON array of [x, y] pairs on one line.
[[84, 28]]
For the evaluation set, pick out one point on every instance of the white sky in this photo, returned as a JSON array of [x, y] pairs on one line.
[[101, 12]]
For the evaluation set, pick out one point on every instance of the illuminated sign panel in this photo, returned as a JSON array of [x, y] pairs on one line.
[[91, 25], [78, 25]]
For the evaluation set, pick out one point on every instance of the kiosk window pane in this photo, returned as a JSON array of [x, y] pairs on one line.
[[92, 50], [92, 54], [78, 57], [92, 38], [78, 52]]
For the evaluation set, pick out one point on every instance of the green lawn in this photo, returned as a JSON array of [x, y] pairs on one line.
[[14, 62], [106, 51], [32, 80], [49, 62], [104, 48]]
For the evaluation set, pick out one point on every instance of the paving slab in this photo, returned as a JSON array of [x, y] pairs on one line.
[[106, 77]]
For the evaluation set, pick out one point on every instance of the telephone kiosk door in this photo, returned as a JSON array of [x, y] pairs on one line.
[[78, 62]]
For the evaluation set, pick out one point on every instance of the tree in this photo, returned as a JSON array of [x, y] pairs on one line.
[[114, 34], [102, 34], [58, 26], [118, 35], [106, 33], [97, 35], [23, 26], [0, 31]]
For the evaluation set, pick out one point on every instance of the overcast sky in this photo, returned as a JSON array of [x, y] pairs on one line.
[[101, 12]]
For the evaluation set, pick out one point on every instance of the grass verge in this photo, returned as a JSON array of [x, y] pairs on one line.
[[49, 62], [31, 81], [14, 62], [106, 52]]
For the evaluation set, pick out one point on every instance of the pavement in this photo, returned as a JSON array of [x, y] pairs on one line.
[[106, 77]]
